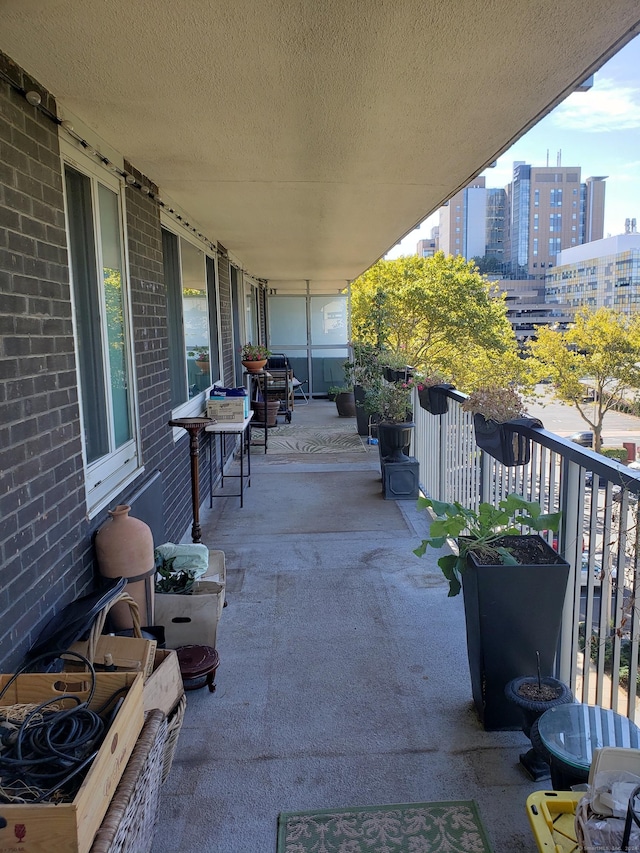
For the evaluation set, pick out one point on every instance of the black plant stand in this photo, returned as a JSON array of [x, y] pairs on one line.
[[536, 760]]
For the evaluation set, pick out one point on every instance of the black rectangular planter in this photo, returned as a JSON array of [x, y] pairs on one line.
[[434, 400], [511, 612]]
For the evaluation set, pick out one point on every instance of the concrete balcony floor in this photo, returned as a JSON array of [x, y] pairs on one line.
[[343, 677]]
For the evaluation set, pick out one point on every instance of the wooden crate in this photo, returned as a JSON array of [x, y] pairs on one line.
[[163, 689], [71, 827]]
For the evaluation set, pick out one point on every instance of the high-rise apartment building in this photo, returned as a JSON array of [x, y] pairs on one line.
[[463, 219]]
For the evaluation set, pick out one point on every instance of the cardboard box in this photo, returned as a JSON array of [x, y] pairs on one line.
[[229, 410], [164, 688], [71, 827], [190, 619], [128, 654]]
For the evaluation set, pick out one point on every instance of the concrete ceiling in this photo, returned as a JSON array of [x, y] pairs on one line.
[[308, 136]]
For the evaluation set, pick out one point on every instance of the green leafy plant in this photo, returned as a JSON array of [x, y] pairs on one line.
[[390, 400], [168, 580], [495, 404], [481, 531], [429, 378], [254, 352], [199, 353]]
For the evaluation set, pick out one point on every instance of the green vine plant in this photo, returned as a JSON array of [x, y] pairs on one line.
[[169, 580], [480, 531]]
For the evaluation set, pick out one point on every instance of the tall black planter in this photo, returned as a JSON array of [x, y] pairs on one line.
[[434, 399], [502, 442], [511, 612], [362, 418]]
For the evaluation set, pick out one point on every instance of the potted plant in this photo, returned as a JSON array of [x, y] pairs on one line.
[[201, 356], [395, 367], [254, 357], [344, 400], [432, 387], [366, 374], [513, 586], [496, 411], [392, 403]]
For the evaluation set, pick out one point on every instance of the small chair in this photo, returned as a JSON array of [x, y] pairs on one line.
[[298, 387]]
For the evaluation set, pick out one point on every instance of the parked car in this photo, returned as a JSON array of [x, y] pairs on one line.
[[585, 439]]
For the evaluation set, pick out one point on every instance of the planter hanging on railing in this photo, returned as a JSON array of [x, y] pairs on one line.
[[433, 398], [501, 441]]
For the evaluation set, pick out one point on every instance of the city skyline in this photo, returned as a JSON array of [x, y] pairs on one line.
[[598, 130]]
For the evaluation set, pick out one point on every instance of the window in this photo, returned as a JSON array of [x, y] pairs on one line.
[[536, 198], [102, 328], [554, 246], [555, 222], [536, 217], [192, 358], [535, 246], [556, 198]]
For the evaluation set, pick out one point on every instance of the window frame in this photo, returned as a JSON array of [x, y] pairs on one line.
[[195, 405], [108, 475]]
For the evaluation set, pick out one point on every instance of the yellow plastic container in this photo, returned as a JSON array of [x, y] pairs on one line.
[[552, 818]]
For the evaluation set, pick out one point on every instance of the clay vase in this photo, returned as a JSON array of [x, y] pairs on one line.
[[124, 548]]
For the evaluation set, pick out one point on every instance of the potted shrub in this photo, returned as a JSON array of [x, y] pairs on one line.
[[344, 400], [432, 387], [392, 403], [254, 357], [395, 367], [513, 586], [366, 374], [495, 412], [201, 356]]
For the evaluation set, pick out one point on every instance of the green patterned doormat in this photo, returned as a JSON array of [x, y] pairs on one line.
[[290, 439], [452, 827]]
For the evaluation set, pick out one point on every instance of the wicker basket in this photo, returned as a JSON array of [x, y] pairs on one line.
[[129, 823], [174, 725]]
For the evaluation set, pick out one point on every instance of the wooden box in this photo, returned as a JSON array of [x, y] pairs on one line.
[[164, 689], [129, 654], [70, 827]]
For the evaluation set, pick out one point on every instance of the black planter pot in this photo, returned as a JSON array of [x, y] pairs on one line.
[[434, 399], [535, 760], [394, 441], [362, 418], [500, 441], [511, 612], [346, 404]]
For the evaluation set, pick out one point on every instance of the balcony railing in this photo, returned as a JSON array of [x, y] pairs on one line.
[[599, 536]]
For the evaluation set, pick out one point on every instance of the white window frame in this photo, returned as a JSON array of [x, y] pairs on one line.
[[196, 405], [106, 477]]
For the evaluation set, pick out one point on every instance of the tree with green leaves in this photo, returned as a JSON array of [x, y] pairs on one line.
[[438, 312], [601, 349]]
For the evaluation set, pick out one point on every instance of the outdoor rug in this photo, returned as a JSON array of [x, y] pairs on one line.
[[451, 827], [292, 439]]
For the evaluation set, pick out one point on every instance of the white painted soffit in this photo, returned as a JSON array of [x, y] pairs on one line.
[[308, 137]]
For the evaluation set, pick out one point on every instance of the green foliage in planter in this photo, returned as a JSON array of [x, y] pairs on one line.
[[168, 580], [480, 530]]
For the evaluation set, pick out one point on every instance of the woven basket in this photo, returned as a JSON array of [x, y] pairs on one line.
[[129, 823], [98, 625], [174, 724]]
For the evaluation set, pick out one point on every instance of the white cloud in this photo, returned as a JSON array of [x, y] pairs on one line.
[[605, 107]]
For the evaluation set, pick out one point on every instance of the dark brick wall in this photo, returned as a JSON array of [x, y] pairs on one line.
[[226, 317], [44, 550]]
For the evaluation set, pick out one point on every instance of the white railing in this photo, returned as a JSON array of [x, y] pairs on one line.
[[599, 537]]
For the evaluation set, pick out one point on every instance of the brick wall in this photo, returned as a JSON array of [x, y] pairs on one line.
[[44, 550]]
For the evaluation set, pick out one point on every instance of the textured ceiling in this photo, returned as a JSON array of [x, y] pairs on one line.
[[308, 136]]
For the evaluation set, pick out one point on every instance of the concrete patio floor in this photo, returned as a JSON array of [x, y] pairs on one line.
[[343, 677]]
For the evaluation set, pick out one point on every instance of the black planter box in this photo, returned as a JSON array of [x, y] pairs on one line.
[[434, 399], [511, 612], [362, 418], [502, 442]]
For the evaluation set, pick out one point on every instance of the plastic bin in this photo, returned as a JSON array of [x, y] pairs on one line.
[[552, 818]]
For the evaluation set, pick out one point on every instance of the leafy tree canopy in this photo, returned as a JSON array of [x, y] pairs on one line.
[[441, 313], [601, 346]]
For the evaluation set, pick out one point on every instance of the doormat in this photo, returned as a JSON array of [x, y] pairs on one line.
[[288, 439], [401, 828]]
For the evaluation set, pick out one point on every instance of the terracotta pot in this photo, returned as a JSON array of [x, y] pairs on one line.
[[124, 548], [254, 366]]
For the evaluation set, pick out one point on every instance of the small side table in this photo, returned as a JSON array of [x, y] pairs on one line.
[[223, 429], [570, 734], [198, 664]]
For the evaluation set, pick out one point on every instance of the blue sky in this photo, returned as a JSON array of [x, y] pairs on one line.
[[598, 130]]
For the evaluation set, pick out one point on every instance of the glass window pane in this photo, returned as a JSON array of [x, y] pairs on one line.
[[195, 311], [82, 251], [328, 320], [115, 314], [287, 321]]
